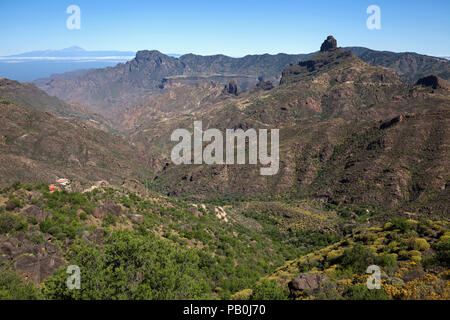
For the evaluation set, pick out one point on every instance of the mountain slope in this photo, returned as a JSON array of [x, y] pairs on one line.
[[411, 256], [409, 66], [348, 133], [105, 90], [176, 102], [28, 95], [178, 249], [40, 147], [360, 150]]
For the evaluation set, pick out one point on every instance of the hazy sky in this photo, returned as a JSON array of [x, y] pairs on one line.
[[234, 28]]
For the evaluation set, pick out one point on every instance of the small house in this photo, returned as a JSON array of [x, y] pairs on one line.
[[63, 182]]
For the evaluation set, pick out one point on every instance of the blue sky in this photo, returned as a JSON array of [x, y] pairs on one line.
[[234, 28]]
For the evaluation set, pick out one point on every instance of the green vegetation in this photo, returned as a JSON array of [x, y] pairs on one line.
[[442, 249], [223, 231], [13, 287], [401, 224], [132, 266], [269, 290], [360, 292], [168, 248], [10, 223], [357, 259], [413, 257], [177, 250]]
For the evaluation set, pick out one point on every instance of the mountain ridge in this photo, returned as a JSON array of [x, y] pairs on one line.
[[127, 84]]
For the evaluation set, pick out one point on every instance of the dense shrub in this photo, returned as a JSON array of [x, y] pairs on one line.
[[37, 238], [387, 260], [13, 287], [361, 292], [10, 222], [442, 249], [269, 290], [421, 244], [17, 185], [109, 220], [132, 267], [61, 226], [357, 259], [424, 228], [401, 224]]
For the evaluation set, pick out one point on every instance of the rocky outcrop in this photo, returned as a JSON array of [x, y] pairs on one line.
[[110, 207], [265, 85], [99, 212], [433, 82], [231, 88], [10, 205], [392, 122], [306, 282], [36, 213], [329, 44], [37, 268], [33, 261], [137, 218], [95, 236]]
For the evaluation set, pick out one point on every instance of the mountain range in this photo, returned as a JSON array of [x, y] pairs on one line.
[[108, 90], [71, 52], [342, 125], [32, 65]]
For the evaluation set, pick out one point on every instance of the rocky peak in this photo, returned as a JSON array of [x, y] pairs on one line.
[[338, 65], [329, 44]]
